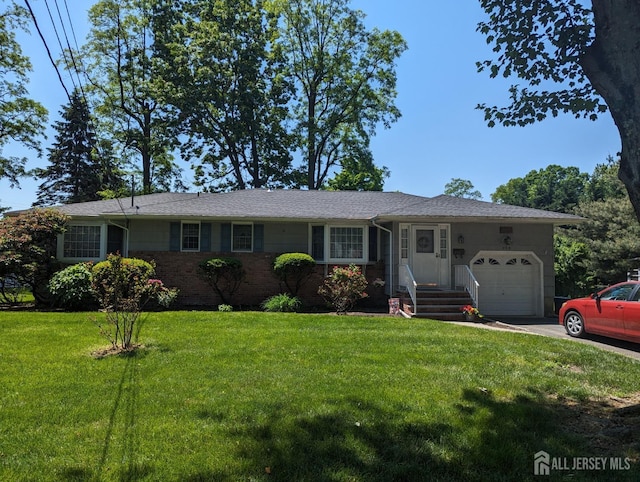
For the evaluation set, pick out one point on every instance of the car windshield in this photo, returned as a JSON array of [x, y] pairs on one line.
[[620, 293]]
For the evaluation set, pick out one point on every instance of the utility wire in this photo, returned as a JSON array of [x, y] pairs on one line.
[[55, 66], [62, 50]]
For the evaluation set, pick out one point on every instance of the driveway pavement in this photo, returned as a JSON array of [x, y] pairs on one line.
[[551, 327]]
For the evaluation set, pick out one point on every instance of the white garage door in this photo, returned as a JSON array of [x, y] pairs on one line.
[[509, 283]]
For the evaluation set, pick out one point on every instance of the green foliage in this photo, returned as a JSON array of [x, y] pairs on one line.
[[461, 188], [294, 269], [359, 173], [224, 275], [28, 249], [22, 119], [571, 266], [344, 287], [77, 172], [554, 188], [225, 73], [344, 79], [122, 286], [604, 182], [223, 308], [612, 234], [120, 58], [72, 287], [542, 43], [282, 303]]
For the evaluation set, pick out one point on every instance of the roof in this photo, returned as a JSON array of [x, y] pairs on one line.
[[290, 204]]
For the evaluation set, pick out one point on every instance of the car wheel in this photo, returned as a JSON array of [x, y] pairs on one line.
[[574, 324]]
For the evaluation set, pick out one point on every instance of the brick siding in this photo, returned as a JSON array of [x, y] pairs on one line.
[[180, 270]]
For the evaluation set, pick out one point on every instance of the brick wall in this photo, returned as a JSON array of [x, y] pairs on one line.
[[180, 270]]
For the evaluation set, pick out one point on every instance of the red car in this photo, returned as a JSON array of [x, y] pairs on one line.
[[613, 312]]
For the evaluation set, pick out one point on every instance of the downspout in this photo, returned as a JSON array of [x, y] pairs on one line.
[[373, 223]]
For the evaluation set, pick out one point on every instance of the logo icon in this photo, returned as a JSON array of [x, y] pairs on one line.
[[541, 463]]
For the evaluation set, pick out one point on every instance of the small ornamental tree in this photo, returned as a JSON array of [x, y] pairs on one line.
[[294, 269], [28, 249], [224, 275], [344, 287], [123, 286]]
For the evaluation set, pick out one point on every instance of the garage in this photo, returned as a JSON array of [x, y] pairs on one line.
[[510, 283]]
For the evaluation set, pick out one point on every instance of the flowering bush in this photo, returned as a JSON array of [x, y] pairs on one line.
[[344, 287], [164, 296], [471, 311]]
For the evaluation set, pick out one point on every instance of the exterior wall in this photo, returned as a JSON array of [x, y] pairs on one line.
[[537, 238], [181, 270]]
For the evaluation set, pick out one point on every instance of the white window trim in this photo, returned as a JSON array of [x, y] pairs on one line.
[[72, 260], [192, 250], [327, 244], [253, 237]]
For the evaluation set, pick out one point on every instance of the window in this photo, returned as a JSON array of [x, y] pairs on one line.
[[346, 243], [404, 243], [190, 236], [242, 237], [82, 242]]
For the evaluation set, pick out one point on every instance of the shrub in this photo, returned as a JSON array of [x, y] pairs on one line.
[[294, 269], [71, 288], [225, 308], [224, 275], [122, 287], [344, 287], [28, 249], [283, 303], [164, 296]]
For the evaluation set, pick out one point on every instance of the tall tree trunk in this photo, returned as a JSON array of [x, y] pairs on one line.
[[612, 64]]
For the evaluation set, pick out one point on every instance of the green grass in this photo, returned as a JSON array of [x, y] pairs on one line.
[[233, 396]]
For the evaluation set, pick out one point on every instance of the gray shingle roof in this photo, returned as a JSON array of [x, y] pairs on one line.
[[308, 205]]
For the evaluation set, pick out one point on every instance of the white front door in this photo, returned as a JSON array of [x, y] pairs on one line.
[[425, 254]]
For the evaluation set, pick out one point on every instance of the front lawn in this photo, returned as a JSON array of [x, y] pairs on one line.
[[288, 397]]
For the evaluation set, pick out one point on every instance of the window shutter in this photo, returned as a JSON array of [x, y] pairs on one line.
[[174, 237], [205, 237], [225, 237], [258, 238]]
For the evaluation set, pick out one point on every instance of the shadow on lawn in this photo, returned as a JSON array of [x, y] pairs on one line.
[[485, 439]]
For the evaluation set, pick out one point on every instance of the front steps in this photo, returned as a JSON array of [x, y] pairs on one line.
[[437, 304]]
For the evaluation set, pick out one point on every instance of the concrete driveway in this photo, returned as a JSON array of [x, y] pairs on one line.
[[551, 327]]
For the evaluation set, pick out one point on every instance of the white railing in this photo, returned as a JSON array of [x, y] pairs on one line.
[[407, 280], [465, 278]]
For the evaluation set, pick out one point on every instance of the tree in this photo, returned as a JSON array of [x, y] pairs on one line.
[[358, 173], [577, 60], [119, 61], [344, 77], [612, 237], [223, 73], [22, 120], [77, 171], [462, 188], [554, 188], [28, 249], [604, 183]]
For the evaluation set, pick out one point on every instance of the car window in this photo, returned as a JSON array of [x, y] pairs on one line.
[[620, 293], [636, 296]]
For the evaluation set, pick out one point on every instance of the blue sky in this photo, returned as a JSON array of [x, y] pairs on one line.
[[440, 135]]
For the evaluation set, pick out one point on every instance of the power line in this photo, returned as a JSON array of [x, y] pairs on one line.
[[55, 66]]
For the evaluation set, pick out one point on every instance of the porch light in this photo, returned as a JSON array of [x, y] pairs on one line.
[[507, 240], [460, 239]]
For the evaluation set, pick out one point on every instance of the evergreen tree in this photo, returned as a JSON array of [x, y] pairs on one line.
[[76, 172]]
